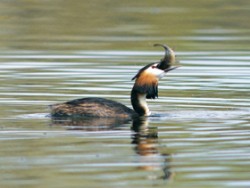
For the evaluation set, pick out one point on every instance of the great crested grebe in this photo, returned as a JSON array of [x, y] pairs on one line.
[[145, 87]]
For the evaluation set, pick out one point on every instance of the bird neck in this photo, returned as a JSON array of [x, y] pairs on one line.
[[138, 101]]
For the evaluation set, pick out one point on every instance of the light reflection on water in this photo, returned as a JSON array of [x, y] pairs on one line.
[[201, 133]]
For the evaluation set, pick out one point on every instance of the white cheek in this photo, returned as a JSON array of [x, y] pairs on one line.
[[157, 72]]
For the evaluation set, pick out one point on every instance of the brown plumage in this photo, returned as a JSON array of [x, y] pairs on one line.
[[147, 83]]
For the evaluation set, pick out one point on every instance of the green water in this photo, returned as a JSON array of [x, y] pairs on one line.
[[61, 50]]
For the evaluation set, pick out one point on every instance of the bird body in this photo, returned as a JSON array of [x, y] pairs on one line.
[[92, 107], [145, 87]]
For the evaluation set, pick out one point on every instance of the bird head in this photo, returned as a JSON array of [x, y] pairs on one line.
[[146, 80]]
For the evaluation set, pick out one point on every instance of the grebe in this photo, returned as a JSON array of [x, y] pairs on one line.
[[145, 87]]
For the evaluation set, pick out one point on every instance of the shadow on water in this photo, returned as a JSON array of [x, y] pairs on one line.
[[144, 140]]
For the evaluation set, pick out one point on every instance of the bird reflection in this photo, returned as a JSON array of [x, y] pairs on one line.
[[144, 140], [90, 123]]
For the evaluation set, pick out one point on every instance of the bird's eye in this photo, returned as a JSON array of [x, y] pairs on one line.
[[153, 67]]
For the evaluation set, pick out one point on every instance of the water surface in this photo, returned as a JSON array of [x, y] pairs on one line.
[[201, 135]]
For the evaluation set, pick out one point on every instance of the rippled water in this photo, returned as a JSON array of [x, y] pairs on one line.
[[200, 136]]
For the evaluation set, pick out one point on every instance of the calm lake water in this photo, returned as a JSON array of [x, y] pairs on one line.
[[56, 51]]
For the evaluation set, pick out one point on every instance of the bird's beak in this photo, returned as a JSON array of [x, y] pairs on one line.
[[171, 68]]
